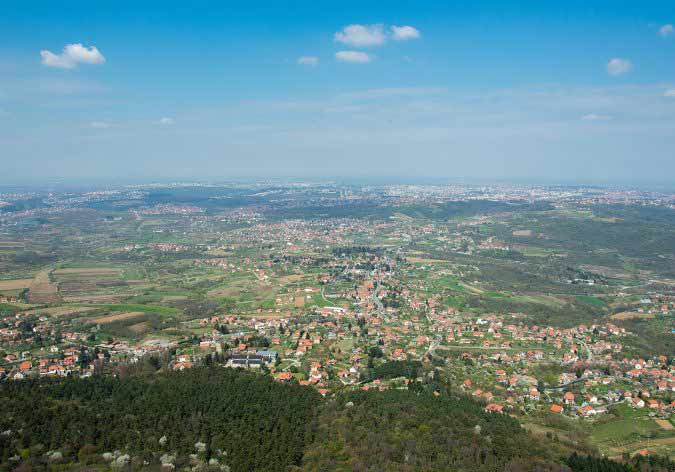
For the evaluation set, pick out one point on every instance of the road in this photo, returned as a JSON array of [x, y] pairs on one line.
[[589, 354]]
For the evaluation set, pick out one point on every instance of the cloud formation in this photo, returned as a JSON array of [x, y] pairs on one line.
[[669, 93], [352, 56], [71, 56], [165, 121], [308, 60], [361, 35], [619, 66], [666, 30], [404, 33], [595, 117]]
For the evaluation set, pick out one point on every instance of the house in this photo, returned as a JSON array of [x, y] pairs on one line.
[[556, 409], [637, 402], [284, 376], [568, 398], [534, 394], [654, 404], [588, 410], [494, 408]]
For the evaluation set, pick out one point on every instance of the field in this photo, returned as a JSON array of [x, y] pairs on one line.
[[629, 431], [17, 284], [42, 290], [118, 317], [665, 425], [87, 271], [59, 311], [4, 245], [421, 260], [629, 315]]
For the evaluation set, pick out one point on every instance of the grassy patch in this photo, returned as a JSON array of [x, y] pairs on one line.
[[594, 301]]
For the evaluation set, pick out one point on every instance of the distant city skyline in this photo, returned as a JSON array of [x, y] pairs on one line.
[[536, 92]]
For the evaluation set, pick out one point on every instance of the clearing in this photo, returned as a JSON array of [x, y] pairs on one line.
[[665, 424], [42, 290], [118, 317], [15, 284], [89, 271], [632, 315]]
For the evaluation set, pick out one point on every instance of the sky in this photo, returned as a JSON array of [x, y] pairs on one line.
[[560, 92]]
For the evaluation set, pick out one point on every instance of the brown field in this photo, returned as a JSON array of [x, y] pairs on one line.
[[606, 271], [523, 232], [98, 298], [225, 292], [267, 316], [665, 424], [421, 260], [69, 287], [89, 271], [118, 317], [15, 284], [139, 328], [471, 288], [289, 279], [42, 290], [174, 298], [62, 310], [631, 315], [12, 245]]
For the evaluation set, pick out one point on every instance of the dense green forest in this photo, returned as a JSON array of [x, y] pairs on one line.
[[216, 419], [638, 463], [240, 419]]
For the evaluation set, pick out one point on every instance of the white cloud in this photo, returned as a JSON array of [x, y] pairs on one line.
[[71, 56], [308, 60], [669, 93], [100, 125], [352, 56], [666, 30], [361, 35], [619, 66], [165, 121], [596, 117], [404, 33], [393, 92]]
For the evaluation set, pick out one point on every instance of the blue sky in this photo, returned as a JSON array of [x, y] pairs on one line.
[[523, 90]]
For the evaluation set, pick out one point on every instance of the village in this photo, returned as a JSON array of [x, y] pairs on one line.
[[499, 359]]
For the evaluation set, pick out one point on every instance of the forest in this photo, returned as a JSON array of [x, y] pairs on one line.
[[222, 416], [212, 418]]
